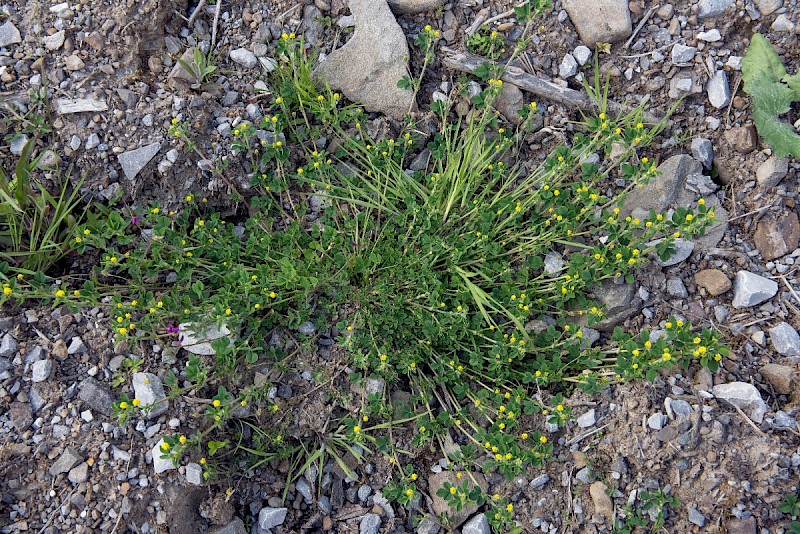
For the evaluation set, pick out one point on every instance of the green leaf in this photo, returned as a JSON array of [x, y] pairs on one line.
[[761, 60]]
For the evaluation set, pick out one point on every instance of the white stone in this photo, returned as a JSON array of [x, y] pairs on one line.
[[682, 54], [771, 172], [194, 473], [582, 54], [161, 465], [712, 8], [40, 370], [586, 420], [269, 517], [600, 21], [55, 41], [711, 36], [134, 161], [744, 396], [244, 57], [200, 342], [719, 92], [149, 390], [568, 67], [783, 24], [477, 525], [751, 289], [785, 340]]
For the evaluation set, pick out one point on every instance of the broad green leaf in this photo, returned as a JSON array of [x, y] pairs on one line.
[[761, 59], [779, 134]]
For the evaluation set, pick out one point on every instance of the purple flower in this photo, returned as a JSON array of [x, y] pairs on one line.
[[135, 220], [172, 329]]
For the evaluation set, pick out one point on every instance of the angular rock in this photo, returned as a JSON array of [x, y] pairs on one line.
[[553, 263], [767, 7], [779, 377], [716, 232], [782, 23], [785, 340], [743, 139], [236, 526], [696, 518], [148, 388], [477, 525], [65, 106], [368, 67], [436, 482], [775, 238], [370, 524], [665, 188], [270, 517], [509, 102], [160, 464], [66, 461], [409, 7], [568, 67], [600, 21], [713, 280], [134, 161], [656, 421], [676, 289], [8, 346], [744, 396], [539, 482], [21, 416], [200, 342], [9, 34], [79, 473], [582, 54], [719, 92], [74, 63], [40, 370], [586, 420], [771, 172], [682, 54], [742, 526], [712, 8], [602, 502], [244, 57], [711, 36], [55, 41], [619, 302], [194, 473], [751, 289], [683, 249], [97, 396], [703, 151]]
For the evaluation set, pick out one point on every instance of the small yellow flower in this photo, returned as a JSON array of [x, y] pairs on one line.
[[689, 217], [216, 403], [123, 405], [410, 492], [510, 507], [414, 476], [272, 295], [155, 211], [136, 402], [7, 290], [543, 439], [453, 490], [182, 440], [228, 311], [189, 198], [60, 293], [356, 429], [702, 202], [202, 461], [87, 232], [278, 100], [165, 446]]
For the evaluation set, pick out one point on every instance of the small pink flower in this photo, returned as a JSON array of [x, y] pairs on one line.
[[172, 329]]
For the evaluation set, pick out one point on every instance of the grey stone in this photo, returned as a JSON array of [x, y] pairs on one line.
[[76, 346], [384, 503], [784, 420], [771, 172], [75, 142], [782, 23], [370, 524], [244, 57], [509, 102], [21, 416], [9, 34], [744, 396], [586, 420], [785, 340], [8, 346], [553, 263], [149, 390], [780, 377], [74, 63], [600, 21], [582, 54], [268, 64], [711, 36], [379, 49], [767, 7], [676, 289], [568, 67], [477, 525], [236, 526], [751, 289], [97, 396], [719, 92], [664, 189], [695, 517], [40, 370], [364, 492], [701, 184], [712, 8], [66, 461], [703, 151], [683, 249], [681, 408], [304, 489], [619, 301], [92, 141], [160, 465], [682, 54], [194, 473], [426, 526], [200, 342], [307, 328], [17, 144], [408, 7], [270, 517], [55, 41], [657, 421], [79, 473], [717, 230], [134, 161], [540, 481], [436, 482]]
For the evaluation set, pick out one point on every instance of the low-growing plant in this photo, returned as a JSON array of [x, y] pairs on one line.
[[486, 42], [773, 91], [651, 514], [791, 507], [200, 68]]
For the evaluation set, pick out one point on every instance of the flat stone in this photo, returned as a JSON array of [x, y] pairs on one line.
[[657, 421], [40, 370], [379, 49], [713, 280], [586, 420], [719, 92], [600, 21], [477, 525], [97, 396], [270, 517], [751, 289], [703, 151], [602, 502], [509, 102], [194, 474], [683, 249], [79, 473], [200, 342], [236, 526], [711, 36], [696, 518], [426, 526], [767, 7], [771, 172], [553, 263], [74, 63], [744, 396], [65, 106], [682, 54], [8, 346], [66, 461], [134, 161], [568, 67], [775, 238], [9, 34], [436, 481], [370, 524], [409, 7], [149, 390], [540, 481], [742, 526], [161, 465], [712, 8], [663, 190], [21, 416], [676, 289], [785, 340], [783, 23], [244, 57], [743, 139], [55, 41], [619, 301], [582, 54], [780, 377]]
